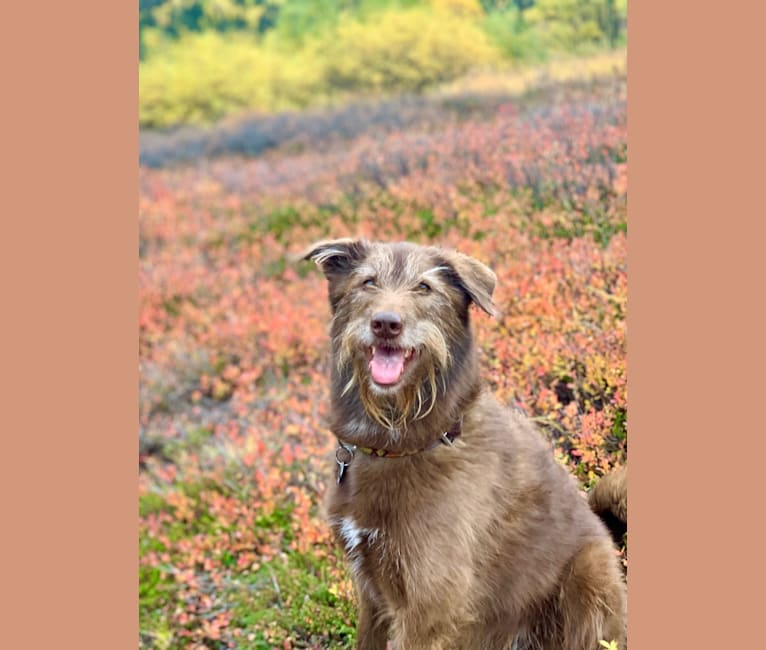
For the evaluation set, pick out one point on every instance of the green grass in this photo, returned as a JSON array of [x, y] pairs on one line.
[[286, 595], [291, 597]]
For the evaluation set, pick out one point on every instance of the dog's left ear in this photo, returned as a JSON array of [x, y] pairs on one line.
[[336, 256], [477, 279]]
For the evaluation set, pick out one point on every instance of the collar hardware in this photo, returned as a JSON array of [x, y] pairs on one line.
[[344, 454]]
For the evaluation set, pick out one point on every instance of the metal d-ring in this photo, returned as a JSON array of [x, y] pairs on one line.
[[339, 458], [342, 447]]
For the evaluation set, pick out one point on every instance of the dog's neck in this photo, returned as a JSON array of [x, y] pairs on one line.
[[352, 423], [416, 434]]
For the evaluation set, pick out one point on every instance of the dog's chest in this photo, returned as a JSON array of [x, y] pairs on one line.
[[377, 558], [364, 545], [356, 539]]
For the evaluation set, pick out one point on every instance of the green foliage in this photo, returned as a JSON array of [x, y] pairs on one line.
[[504, 5], [300, 19], [175, 18], [151, 503], [149, 587], [579, 25], [291, 598], [517, 39], [429, 226], [620, 424], [282, 221], [199, 577], [179, 16]]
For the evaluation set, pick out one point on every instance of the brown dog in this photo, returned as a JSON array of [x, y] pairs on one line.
[[461, 528]]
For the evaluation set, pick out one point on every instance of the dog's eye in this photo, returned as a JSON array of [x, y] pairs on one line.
[[369, 282], [424, 287]]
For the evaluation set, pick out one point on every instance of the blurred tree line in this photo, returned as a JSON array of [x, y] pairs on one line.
[[204, 59], [566, 23]]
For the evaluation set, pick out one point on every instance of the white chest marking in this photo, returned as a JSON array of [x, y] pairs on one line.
[[352, 534]]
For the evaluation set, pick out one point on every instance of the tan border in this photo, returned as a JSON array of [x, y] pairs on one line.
[[696, 276], [69, 305]]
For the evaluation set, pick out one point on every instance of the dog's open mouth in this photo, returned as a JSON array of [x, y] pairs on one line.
[[387, 364]]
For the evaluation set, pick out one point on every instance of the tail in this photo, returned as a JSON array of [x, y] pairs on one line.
[[609, 500]]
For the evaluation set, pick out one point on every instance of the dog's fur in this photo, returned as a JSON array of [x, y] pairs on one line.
[[483, 544], [609, 500]]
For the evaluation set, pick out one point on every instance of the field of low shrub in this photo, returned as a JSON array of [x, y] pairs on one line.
[[235, 453]]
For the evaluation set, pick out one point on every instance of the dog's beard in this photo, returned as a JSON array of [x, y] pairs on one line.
[[415, 397]]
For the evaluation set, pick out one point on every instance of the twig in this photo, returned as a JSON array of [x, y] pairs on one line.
[[276, 587]]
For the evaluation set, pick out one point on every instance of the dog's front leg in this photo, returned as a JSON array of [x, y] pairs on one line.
[[419, 635], [372, 627], [422, 643]]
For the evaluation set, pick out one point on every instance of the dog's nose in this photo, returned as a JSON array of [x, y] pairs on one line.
[[387, 324]]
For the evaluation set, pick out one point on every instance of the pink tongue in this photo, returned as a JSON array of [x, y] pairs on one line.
[[386, 366]]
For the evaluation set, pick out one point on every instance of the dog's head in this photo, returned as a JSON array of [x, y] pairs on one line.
[[400, 321]]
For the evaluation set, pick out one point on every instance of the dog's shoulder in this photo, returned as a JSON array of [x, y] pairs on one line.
[[498, 426]]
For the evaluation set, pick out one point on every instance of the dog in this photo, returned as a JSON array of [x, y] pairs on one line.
[[461, 529]]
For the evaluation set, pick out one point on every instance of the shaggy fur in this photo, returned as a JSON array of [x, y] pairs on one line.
[[483, 544], [609, 500]]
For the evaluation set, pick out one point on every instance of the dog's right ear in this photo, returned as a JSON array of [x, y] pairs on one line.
[[336, 257]]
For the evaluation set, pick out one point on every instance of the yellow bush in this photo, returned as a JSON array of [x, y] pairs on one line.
[[208, 75], [404, 50]]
